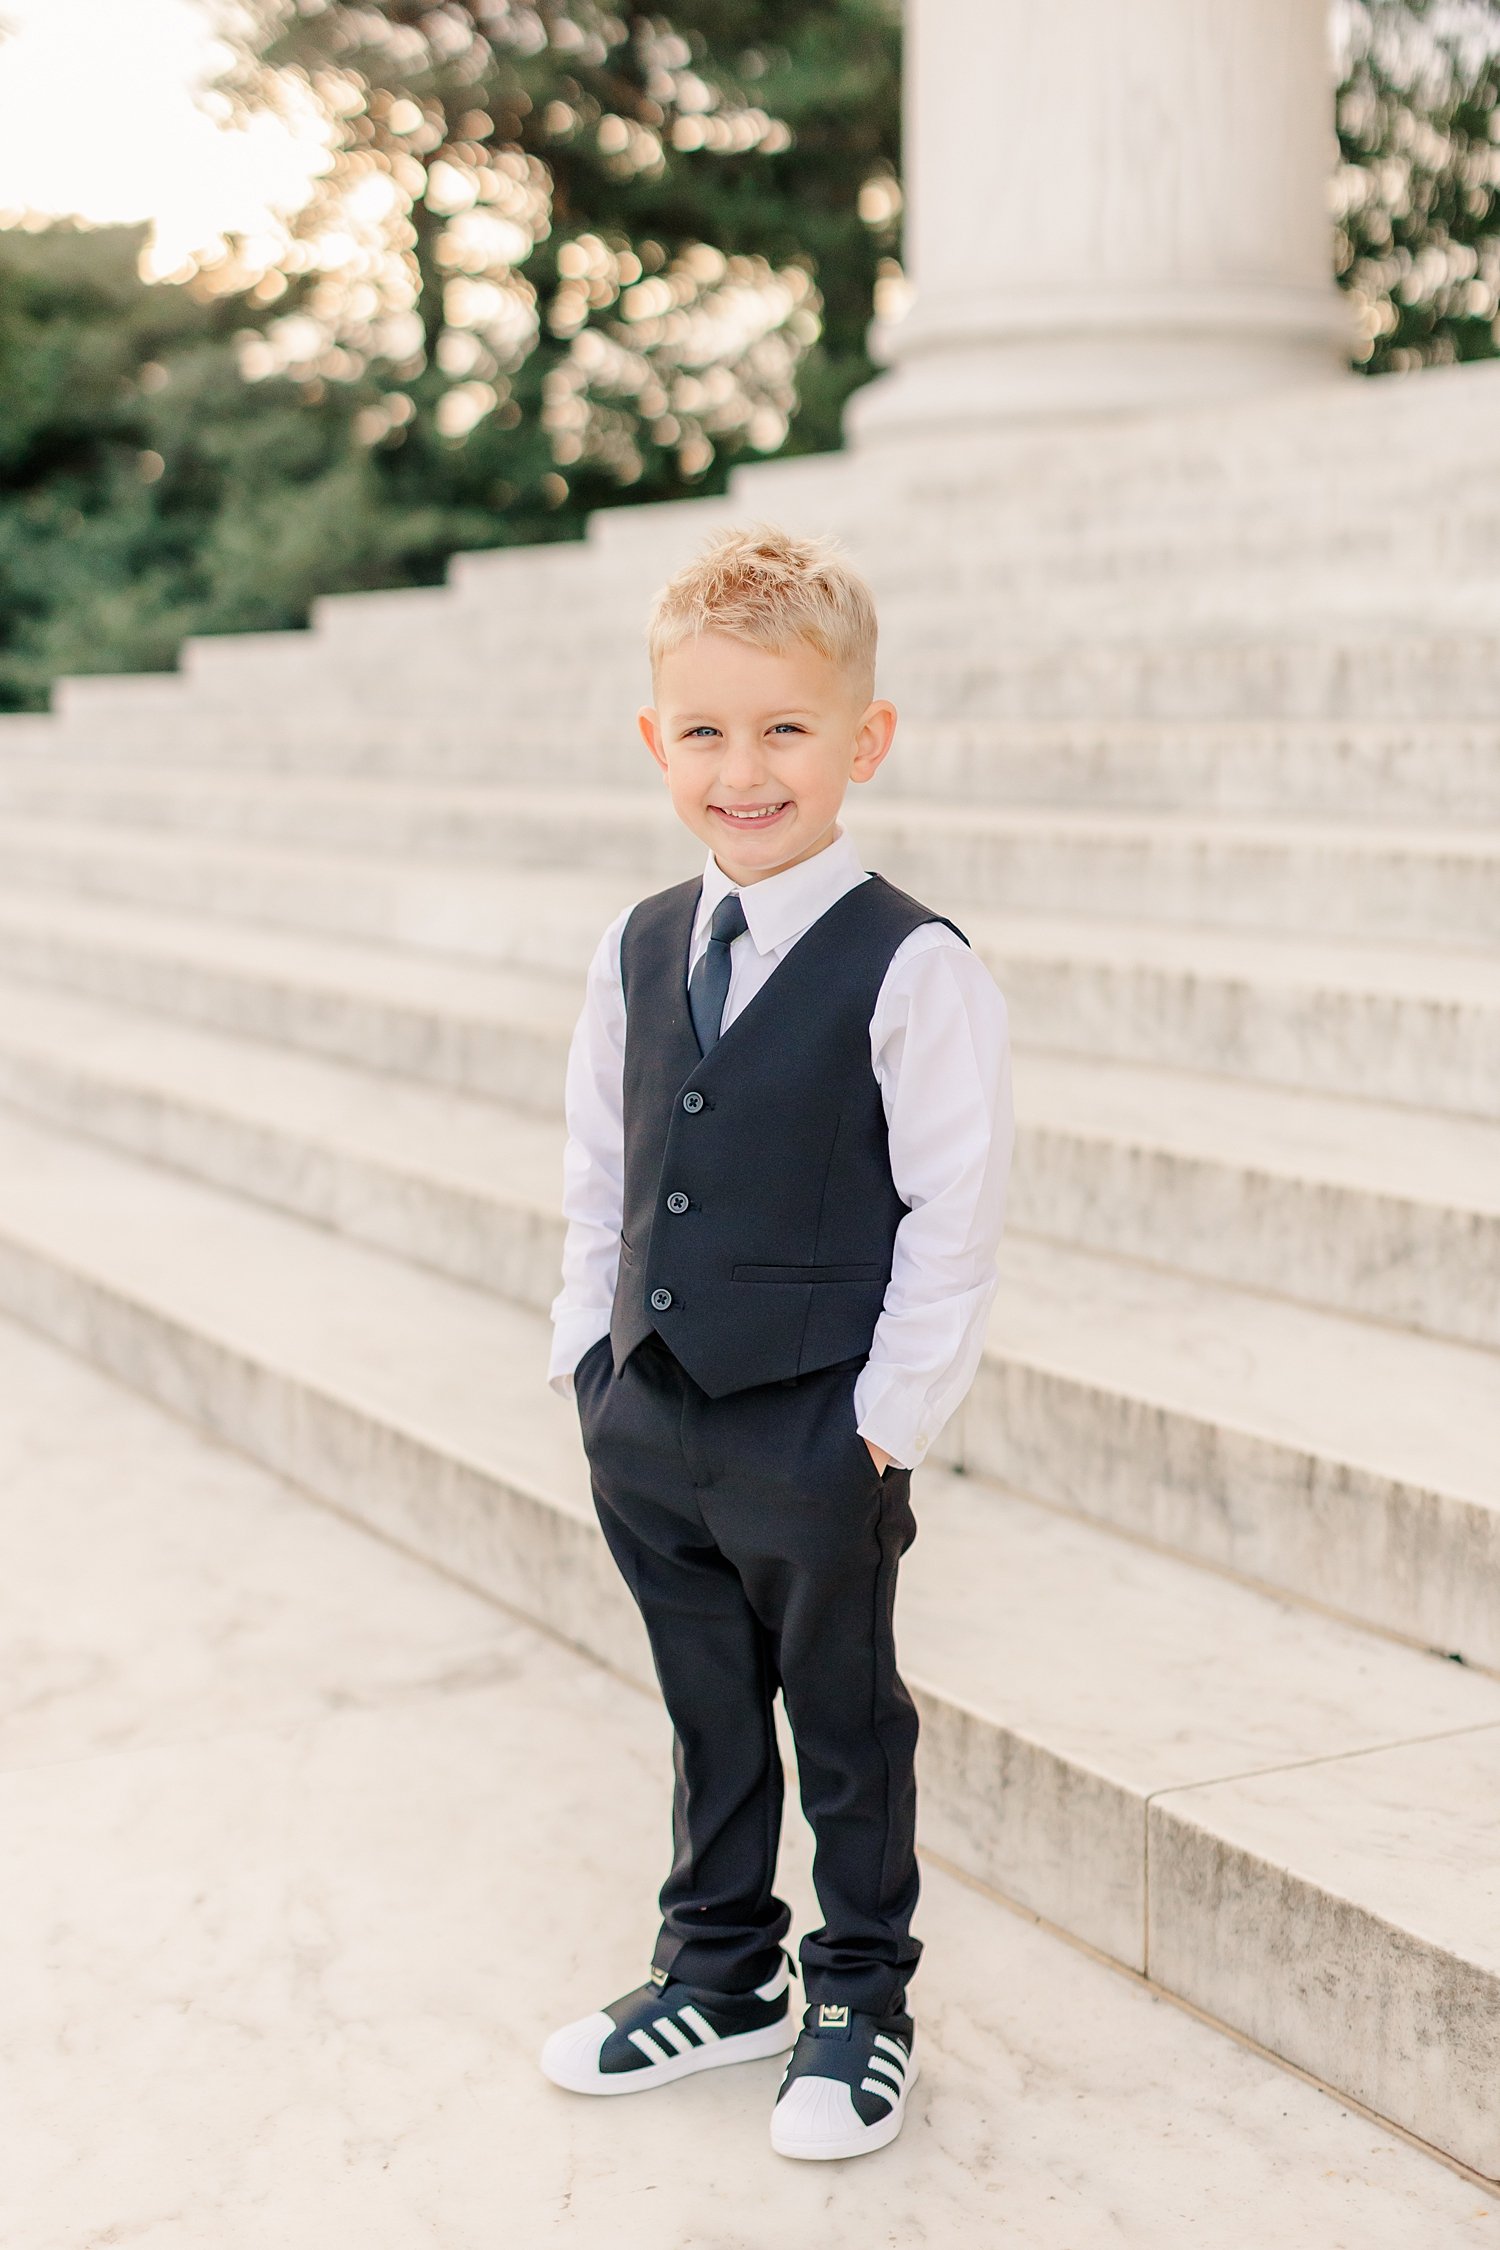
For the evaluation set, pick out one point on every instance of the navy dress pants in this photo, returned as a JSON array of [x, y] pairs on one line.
[[761, 1546]]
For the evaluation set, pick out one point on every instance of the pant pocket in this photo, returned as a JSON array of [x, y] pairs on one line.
[[592, 1375]]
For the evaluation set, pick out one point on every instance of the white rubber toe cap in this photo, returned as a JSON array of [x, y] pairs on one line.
[[571, 2056], [816, 2119]]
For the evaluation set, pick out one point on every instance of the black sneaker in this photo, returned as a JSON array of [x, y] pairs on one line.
[[846, 2085], [665, 2030]]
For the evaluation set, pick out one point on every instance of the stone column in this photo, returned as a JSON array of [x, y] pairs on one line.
[[1111, 204]]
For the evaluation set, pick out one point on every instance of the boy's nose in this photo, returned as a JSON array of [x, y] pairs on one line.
[[742, 765]]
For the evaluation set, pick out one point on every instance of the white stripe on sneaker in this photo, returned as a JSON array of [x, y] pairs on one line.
[[666, 2029], [887, 2070], [777, 1984], [648, 2047], [891, 2047], [879, 2086], [695, 2022]]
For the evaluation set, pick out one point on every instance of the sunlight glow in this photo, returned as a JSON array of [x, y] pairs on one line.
[[102, 118]]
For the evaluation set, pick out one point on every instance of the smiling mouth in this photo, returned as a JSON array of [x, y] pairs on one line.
[[751, 816]]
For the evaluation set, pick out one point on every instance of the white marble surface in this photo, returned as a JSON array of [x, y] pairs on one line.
[[1422, 1412], [1419, 1409], [1351, 769], [1071, 1679], [1384, 1965], [351, 1325], [1375, 1211], [313, 1842], [1143, 1668], [154, 1588], [293, 959], [1415, 1024], [1436, 885], [425, 1131], [1419, 1156], [1414, 1830], [1350, 1463], [1347, 1205]]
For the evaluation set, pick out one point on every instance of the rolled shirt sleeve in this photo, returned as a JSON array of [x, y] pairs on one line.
[[940, 1048]]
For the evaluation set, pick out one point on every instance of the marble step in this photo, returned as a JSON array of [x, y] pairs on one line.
[[989, 498], [1232, 538], [1351, 771], [1380, 1024], [1433, 886], [954, 662], [1347, 771], [221, 1694], [1081, 1696], [1385, 1213], [1315, 675], [954, 522], [1319, 636], [1145, 589], [1345, 1463], [1161, 478], [942, 536], [933, 595], [947, 547], [498, 1030], [1234, 577]]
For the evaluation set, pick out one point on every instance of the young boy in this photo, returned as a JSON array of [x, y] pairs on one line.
[[789, 1131]]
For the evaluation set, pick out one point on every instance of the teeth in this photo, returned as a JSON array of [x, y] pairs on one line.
[[760, 812]]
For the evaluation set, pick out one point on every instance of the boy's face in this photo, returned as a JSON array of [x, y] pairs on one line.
[[757, 747]]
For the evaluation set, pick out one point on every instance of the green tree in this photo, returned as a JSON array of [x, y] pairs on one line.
[[148, 491], [1418, 245], [600, 253]]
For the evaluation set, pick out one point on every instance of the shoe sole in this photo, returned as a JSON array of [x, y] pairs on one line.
[[865, 2144], [739, 2047]]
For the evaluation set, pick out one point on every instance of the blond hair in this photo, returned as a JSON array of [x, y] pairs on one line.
[[768, 587]]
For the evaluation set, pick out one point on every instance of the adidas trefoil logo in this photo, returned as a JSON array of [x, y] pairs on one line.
[[833, 2019]]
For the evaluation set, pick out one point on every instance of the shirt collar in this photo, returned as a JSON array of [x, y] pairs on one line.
[[780, 907]]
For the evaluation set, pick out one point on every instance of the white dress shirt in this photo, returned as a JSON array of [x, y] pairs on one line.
[[940, 1051]]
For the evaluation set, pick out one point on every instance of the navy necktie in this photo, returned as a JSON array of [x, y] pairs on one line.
[[708, 986]]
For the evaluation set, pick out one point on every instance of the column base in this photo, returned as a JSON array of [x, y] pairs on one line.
[[957, 374]]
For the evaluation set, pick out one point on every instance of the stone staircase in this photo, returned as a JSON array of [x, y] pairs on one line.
[[1201, 745]]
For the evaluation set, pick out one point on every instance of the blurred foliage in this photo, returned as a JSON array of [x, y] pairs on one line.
[[1417, 244], [148, 491], [653, 242]]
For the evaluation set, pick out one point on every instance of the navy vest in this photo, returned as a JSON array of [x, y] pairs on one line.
[[759, 1209]]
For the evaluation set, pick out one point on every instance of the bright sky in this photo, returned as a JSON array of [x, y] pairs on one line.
[[98, 118]]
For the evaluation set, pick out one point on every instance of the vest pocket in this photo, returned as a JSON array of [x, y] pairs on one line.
[[810, 1273]]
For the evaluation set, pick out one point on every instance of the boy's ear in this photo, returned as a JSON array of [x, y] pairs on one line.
[[872, 738], [648, 719]]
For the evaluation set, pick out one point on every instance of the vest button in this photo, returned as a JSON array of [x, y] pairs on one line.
[[660, 1299], [677, 1201], [692, 1102]]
